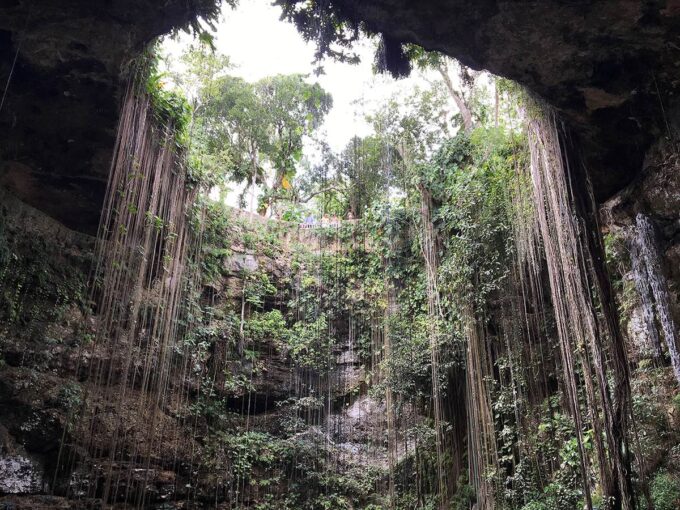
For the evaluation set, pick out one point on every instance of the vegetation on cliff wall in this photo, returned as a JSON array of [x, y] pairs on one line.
[[446, 337]]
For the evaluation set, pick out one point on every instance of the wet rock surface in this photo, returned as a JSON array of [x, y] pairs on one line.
[[645, 216]]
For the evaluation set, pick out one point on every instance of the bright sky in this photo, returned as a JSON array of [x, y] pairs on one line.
[[260, 45]]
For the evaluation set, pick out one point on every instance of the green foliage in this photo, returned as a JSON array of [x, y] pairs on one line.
[[295, 412], [205, 13], [241, 128], [471, 182], [556, 496], [260, 461], [408, 370], [616, 253], [334, 30], [70, 396], [464, 497], [216, 224], [310, 344], [257, 287], [263, 326], [665, 491], [39, 283], [618, 262], [248, 449], [171, 109], [653, 395], [223, 230], [295, 108], [326, 25], [557, 448], [362, 166]]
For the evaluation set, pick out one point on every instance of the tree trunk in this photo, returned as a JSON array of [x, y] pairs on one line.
[[252, 183], [468, 123], [497, 102]]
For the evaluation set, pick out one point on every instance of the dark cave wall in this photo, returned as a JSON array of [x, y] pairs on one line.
[[67, 62]]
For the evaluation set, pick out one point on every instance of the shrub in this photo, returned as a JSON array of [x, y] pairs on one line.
[[665, 491]]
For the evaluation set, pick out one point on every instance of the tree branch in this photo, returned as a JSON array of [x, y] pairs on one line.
[[319, 192], [468, 123]]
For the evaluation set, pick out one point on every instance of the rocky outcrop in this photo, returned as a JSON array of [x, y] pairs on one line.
[[655, 192], [652, 201]]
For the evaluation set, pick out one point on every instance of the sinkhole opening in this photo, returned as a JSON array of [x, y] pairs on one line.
[[332, 270]]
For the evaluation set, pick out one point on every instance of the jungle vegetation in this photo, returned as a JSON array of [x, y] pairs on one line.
[[452, 302], [450, 335]]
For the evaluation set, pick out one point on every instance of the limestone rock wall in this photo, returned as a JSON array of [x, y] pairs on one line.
[[46, 331], [62, 67], [655, 196]]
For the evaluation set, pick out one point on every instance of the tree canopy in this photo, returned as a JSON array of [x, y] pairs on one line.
[[250, 133]]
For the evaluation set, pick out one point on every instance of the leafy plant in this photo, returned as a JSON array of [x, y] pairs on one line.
[[665, 491]]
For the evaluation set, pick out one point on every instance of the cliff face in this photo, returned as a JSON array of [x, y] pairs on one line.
[[643, 219], [44, 268], [49, 397]]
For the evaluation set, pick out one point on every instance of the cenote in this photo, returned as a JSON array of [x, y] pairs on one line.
[[339, 255]]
